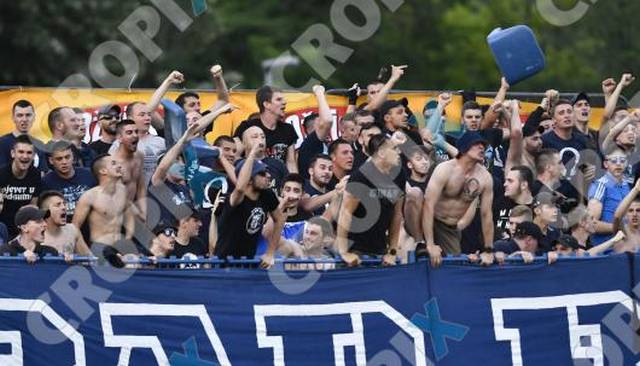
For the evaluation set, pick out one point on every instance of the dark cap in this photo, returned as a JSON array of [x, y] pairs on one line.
[[468, 139], [161, 228], [545, 198], [530, 128], [107, 109], [28, 213], [567, 241], [580, 96], [528, 228], [258, 167], [389, 105]]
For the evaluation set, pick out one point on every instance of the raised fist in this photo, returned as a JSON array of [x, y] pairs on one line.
[[318, 89], [216, 70], [627, 79], [175, 77]]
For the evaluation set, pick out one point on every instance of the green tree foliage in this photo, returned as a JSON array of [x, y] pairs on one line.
[[444, 42]]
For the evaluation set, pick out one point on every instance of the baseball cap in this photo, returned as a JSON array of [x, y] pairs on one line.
[[164, 229], [108, 108], [468, 139], [528, 228], [580, 96], [567, 241], [530, 128], [29, 213], [258, 167], [389, 105]]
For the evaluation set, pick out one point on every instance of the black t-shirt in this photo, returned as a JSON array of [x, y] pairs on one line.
[[311, 146], [377, 192], [240, 227], [174, 200], [13, 248], [565, 189], [546, 244], [6, 144], [506, 246], [502, 207], [301, 215], [359, 157], [510, 246], [312, 192], [278, 140], [100, 147], [17, 193], [195, 247]]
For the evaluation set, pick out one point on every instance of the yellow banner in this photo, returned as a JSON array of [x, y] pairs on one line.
[[298, 106]]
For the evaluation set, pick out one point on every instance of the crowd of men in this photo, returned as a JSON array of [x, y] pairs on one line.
[[392, 182]]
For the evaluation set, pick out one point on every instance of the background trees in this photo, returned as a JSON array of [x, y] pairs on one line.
[[443, 41]]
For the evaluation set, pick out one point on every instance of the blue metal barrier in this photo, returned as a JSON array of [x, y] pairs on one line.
[[286, 263]]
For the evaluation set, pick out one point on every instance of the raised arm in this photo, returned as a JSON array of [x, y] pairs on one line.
[[292, 163], [325, 119], [612, 101], [221, 87], [609, 141], [515, 138], [353, 93], [175, 77], [396, 74], [621, 211], [244, 176], [160, 174], [491, 114], [205, 121]]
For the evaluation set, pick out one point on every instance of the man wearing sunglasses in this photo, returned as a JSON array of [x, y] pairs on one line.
[[606, 193], [108, 117]]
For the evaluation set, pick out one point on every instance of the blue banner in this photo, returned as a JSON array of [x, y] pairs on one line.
[[576, 311]]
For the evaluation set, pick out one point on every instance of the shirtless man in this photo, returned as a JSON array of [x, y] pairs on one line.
[[453, 187], [106, 205], [629, 211], [132, 162], [65, 238]]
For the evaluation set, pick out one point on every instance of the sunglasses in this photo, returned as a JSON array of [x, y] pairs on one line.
[[107, 116], [618, 160], [169, 231]]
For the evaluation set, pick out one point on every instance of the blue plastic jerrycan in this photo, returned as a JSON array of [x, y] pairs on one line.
[[516, 52]]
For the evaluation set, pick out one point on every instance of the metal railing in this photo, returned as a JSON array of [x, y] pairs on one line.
[[291, 264]]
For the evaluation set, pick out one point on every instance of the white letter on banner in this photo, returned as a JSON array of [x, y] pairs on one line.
[[340, 341], [576, 331], [40, 307], [128, 342]]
